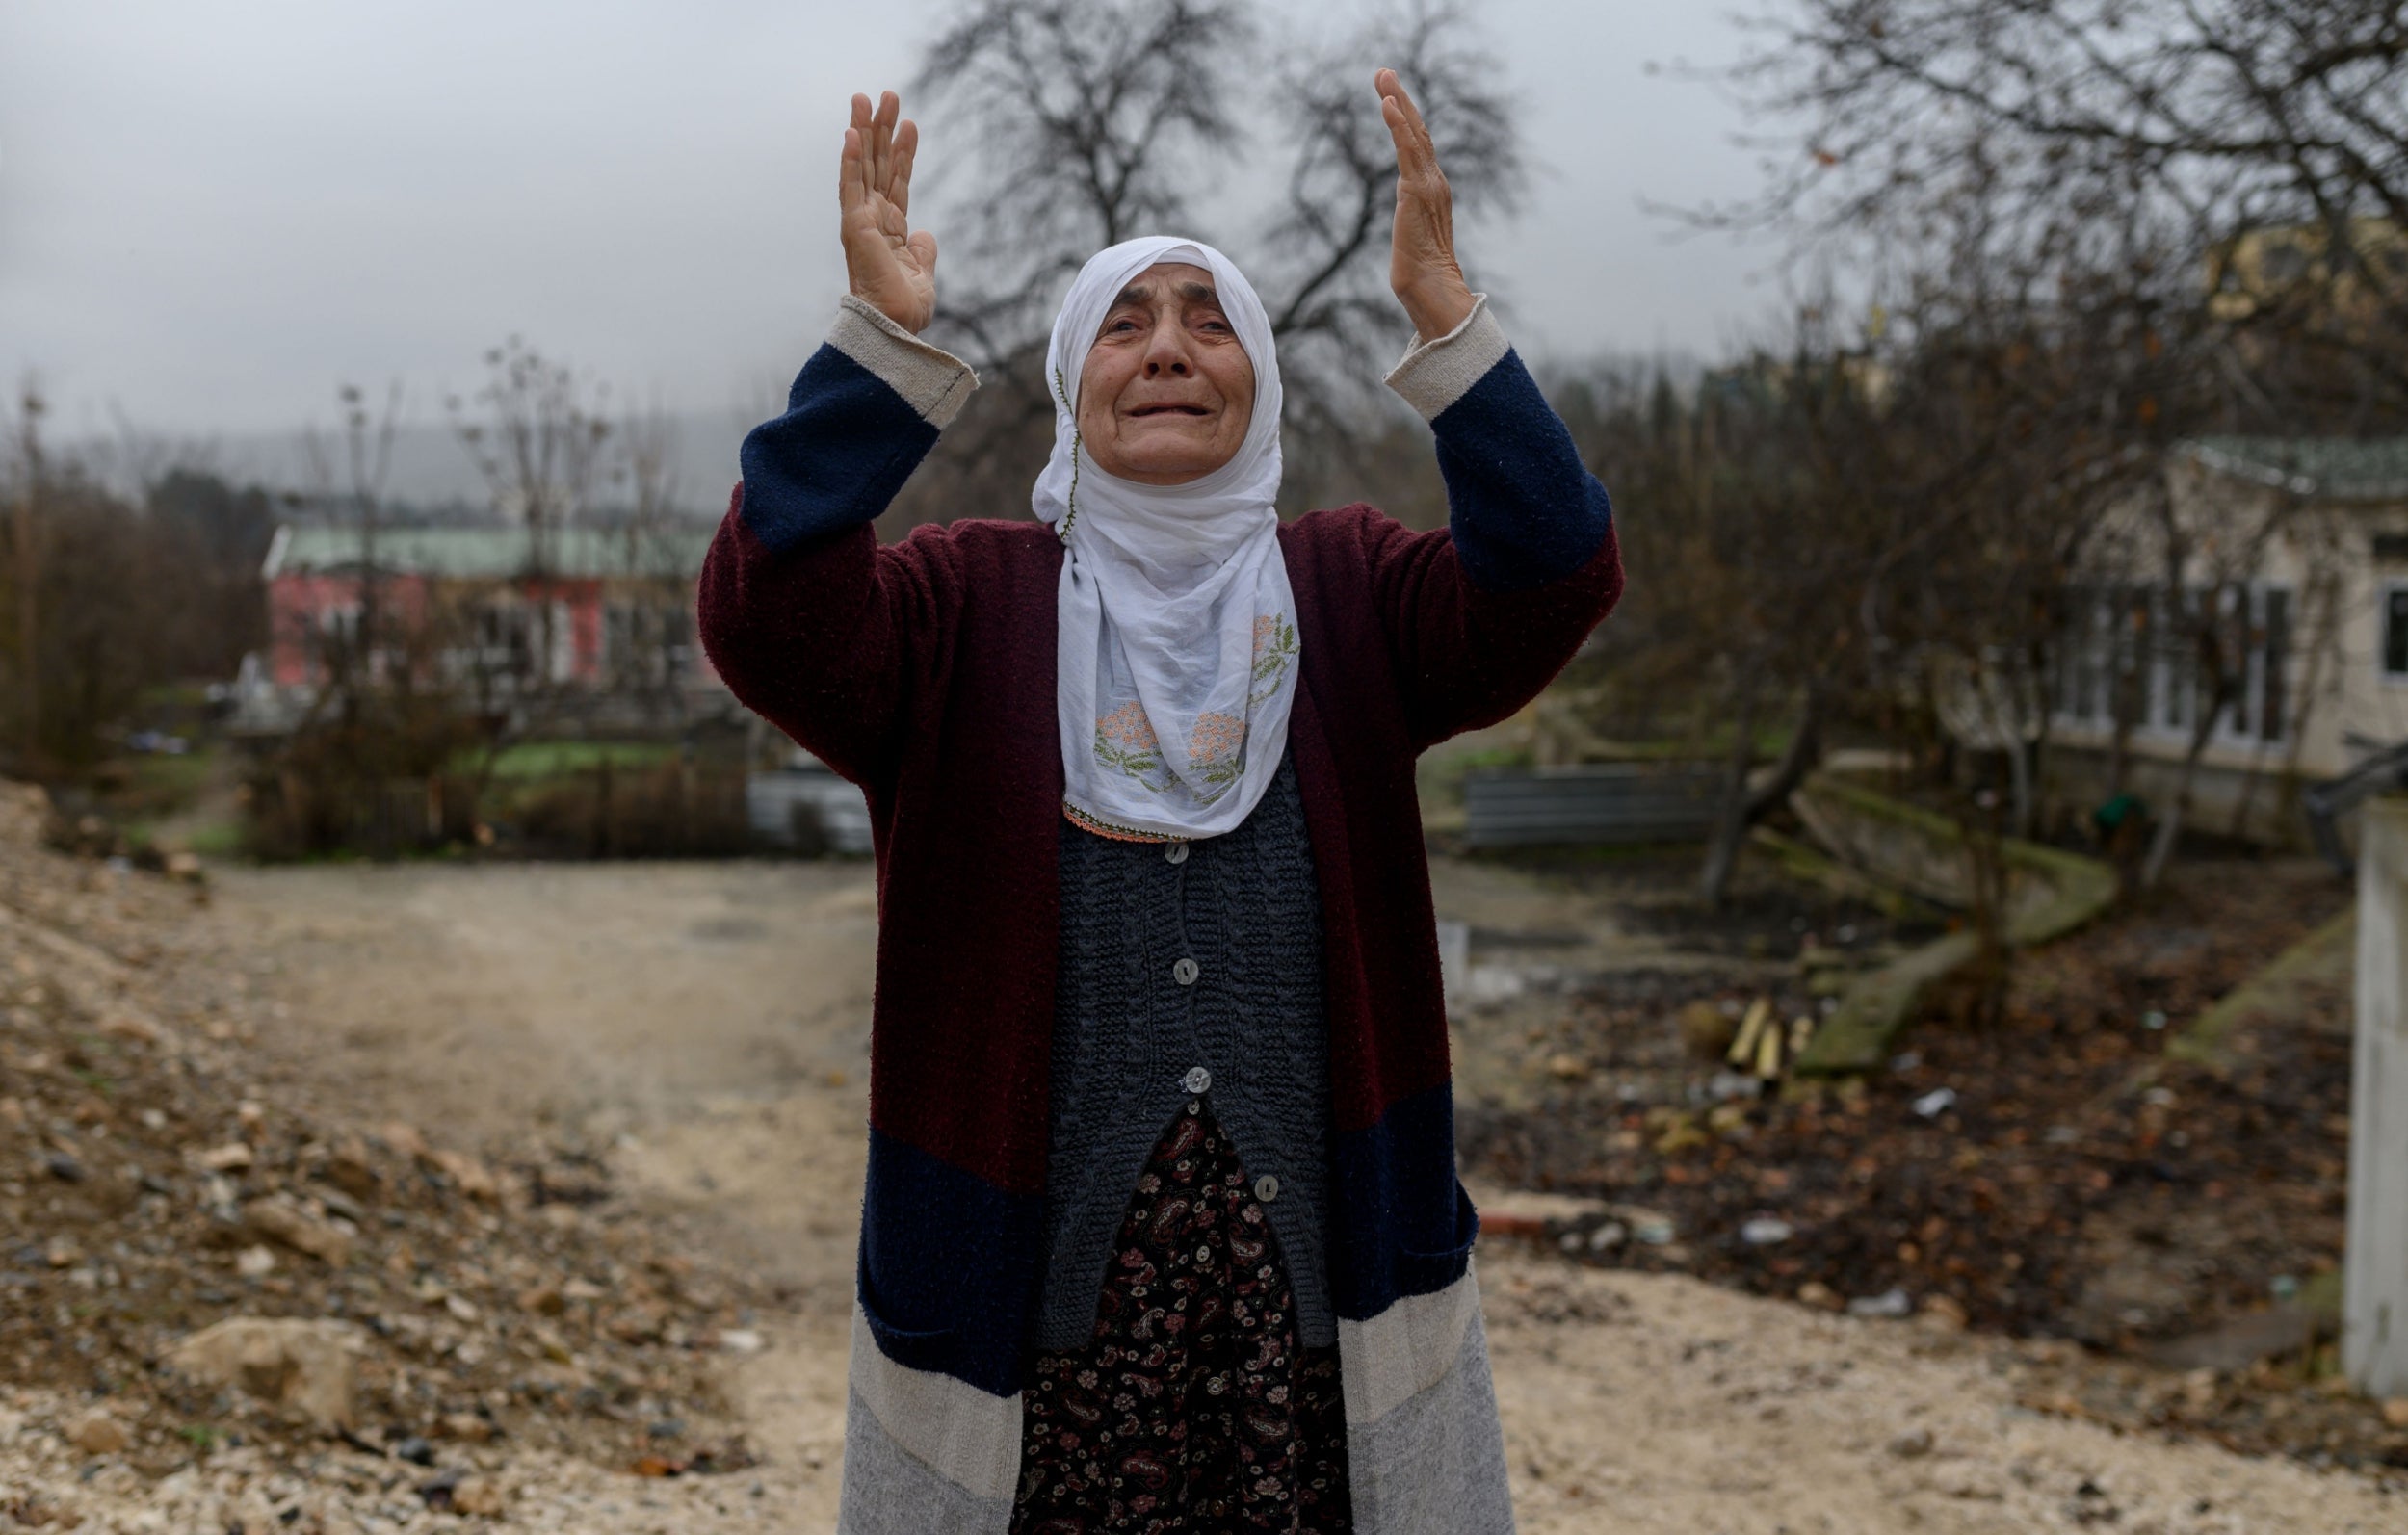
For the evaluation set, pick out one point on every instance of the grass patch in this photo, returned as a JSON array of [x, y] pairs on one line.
[[548, 759]]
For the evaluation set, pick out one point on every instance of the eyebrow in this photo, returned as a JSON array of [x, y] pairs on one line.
[[1137, 293]]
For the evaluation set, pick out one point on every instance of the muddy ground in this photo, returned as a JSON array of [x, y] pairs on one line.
[[694, 1040]]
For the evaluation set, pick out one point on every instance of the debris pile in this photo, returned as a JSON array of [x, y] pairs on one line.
[[201, 1263], [2058, 1175]]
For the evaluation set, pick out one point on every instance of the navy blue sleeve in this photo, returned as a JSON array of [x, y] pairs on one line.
[[1522, 507], [833, 461]]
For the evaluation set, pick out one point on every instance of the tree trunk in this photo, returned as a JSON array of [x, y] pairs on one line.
[[1743, 807]]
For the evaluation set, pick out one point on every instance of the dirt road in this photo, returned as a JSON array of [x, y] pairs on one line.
[[711, 1021]]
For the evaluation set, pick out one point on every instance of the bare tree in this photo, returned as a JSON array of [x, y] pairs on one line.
[[540, 442]]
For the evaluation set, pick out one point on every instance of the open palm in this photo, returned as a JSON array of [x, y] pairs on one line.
[[889, 267]]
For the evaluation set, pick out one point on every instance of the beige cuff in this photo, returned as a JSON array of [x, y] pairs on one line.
[[933, 381], [1436, 374]]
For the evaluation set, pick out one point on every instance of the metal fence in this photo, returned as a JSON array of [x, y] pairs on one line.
[[1607, 802]]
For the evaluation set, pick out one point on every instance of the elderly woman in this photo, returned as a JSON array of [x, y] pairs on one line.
[[1162, 1230]]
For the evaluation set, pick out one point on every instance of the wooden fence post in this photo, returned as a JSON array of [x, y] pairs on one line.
[[2374, 1322]]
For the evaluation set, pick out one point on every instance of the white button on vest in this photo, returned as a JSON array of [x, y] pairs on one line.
[[1267, 1189], [1197, 1080], [1184, 972], [1177, 853]]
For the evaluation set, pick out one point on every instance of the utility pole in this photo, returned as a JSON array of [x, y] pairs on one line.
[[28, 567], [2374, 1276]]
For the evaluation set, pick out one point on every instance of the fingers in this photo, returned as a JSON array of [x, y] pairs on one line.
[[923, 245], [1416, 151], [853, 183], [882, 139], [906, 147]]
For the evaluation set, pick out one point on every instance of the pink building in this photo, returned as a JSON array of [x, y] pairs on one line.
[[587, 608]]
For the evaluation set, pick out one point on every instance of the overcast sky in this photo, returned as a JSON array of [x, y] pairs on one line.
[[210, 213]]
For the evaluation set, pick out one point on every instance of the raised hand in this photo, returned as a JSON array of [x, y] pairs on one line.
[[891, 269], [1421, 267]]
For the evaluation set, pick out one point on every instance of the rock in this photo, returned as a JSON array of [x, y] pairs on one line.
[[1566, 1067], [231, 1158], [742, 1340], [480, 1495], [350, 1168], [415, 1450], [465, 1426], [306, 1366], [544, 1300], [1943, 1311], [403, 1139], [1706, 1030], [64, 1168], [2396, 1411], [183, 865], [1889, 1303], [1815, 1292], [1764, 1230], [1913, 1445], [62, 1252], [254, 1262], [461, 1307], [281, 1220], [97, 1433], [472, 1178]]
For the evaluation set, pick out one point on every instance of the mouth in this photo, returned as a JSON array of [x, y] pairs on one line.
[[1142, 412]]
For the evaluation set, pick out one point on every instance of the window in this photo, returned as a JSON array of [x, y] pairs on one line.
[[2130, 653], [2396, 631]]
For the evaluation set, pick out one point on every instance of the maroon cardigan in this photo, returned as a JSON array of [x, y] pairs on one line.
[[925, 672]]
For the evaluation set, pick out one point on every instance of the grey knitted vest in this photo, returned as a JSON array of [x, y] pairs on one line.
[[1188, 971]]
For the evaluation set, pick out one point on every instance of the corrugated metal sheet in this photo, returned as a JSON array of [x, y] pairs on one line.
[[1607, 802], [773, 799]]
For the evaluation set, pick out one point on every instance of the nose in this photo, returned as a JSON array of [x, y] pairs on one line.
[[1166, 351]]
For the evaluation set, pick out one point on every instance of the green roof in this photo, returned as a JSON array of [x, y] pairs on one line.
[[490, 553], [2333, 468]]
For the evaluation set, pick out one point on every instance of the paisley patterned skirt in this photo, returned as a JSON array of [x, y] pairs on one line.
[[1194, 1409]]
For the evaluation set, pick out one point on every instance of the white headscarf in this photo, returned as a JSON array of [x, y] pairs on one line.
[[1178, 652]]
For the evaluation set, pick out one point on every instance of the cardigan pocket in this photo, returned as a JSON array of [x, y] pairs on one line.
[[1420, 1273], [926, 1348]]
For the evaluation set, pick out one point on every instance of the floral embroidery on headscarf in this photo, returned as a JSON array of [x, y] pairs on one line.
[[1274, 651], [1125, 743], [1217, 748]]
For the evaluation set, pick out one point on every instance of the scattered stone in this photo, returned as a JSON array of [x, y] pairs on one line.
[[97, 1433], [232, 1157], [1815, 1292], [480, 1495], [746, 1340], [1935, 1103], [1764, 1230], [2396, 1411], [415, 1450], [461, 1307], [1890, 1303], [403, 1139], [350, 1169], [306, 1366], [1944, 1312], [472, 1178], [64, 1168], [468, 1427], [1913, 1445], [254, 1262], [62, 1252], [544, 1300], [281, 1220]]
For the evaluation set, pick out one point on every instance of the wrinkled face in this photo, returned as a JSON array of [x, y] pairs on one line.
[[1166, 392]]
